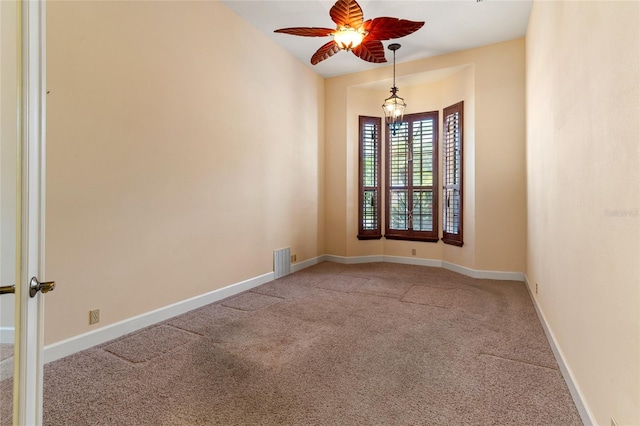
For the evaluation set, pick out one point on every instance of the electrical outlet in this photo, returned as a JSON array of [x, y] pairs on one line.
[[94, 316], [294, 258], [536, 288], [413, 252]]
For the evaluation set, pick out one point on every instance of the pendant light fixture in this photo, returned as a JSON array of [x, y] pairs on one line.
[[394, 105]]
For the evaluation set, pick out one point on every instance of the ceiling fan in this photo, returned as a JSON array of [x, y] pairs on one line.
[[363, 38]]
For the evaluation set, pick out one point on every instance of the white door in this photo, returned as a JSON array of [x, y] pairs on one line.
[[23, 123]]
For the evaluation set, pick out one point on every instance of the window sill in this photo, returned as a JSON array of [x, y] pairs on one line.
[[452, 242], [369, 237], [411, 238]]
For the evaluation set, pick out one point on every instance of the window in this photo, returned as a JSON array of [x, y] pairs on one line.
[[411, 194], [412, 198], [452, 174], [369, 226]]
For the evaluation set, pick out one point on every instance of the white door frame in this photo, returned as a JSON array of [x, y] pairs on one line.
[[28, 371]]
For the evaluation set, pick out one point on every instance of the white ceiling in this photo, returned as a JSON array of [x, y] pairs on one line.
[[450, 25]]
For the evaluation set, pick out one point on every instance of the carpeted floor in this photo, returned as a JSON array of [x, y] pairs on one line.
[[6, 351], [368, 344]]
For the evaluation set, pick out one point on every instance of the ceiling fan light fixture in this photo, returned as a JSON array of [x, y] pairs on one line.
[[353, 33], [348, 38]]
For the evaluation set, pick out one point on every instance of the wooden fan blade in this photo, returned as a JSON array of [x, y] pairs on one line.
[[325, 52], [347, 13], [307, 31], [370, 51], [388, 28]]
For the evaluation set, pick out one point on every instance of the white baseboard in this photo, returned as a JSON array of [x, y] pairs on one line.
[[567, 374], [85, 341], [7, 335], [295, 267], [413, 261], [473, 273], [484, 275]]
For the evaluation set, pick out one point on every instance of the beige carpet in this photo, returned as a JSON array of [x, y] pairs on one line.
[[6, 351], [369, 344]]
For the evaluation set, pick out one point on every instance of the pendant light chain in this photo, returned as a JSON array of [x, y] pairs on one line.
[[394, 68]]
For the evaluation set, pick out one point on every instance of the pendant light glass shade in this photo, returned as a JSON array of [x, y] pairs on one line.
[[394, 105]]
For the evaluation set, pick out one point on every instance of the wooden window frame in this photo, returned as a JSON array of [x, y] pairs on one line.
[[411, 234], [369, 234], [453, 180]]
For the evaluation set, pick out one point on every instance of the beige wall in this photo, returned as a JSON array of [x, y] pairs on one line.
[[583, 187], [491, 81], [157, 191], [183, 148]]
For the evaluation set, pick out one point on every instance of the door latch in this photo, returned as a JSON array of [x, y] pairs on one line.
[[36, 286], [8, 289]]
